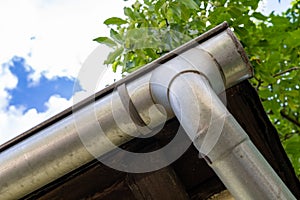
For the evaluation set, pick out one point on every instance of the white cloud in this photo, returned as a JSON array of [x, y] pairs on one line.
[[8, 81], [63, 31], [14, 121]]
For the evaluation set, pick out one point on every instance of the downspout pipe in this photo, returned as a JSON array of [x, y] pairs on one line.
[[221, 141], [209, 64], [190, 92]]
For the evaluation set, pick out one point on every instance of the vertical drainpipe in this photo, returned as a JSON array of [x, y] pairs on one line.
[[229, 152], [190, 93]]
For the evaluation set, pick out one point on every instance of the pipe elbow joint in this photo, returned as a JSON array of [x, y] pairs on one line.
[[221, 59]]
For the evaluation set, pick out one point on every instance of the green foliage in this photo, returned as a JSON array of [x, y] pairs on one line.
[[115, 21], [272, 43]]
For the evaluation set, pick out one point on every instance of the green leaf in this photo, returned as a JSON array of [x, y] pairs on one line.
[[294, 93], [116, 36], [264, 93], [129, 13], [112, 56], [105, 40], [235, 12], [292, 145], [240, 31], [279, 21], [158, 5], [294, 38], [185, 13], [252, 3], [115, 66], [259, 16], [148, 2], [190, 4], [175, 9], [115, 21]]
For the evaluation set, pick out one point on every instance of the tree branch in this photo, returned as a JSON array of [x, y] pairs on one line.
[[167, 22], [289, 118], [286, 71], [259, 83]]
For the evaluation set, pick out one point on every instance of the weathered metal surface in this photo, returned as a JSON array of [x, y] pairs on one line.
[[198, 179]]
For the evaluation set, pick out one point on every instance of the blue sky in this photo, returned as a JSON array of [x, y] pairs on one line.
[[29, 94], [43, 44]]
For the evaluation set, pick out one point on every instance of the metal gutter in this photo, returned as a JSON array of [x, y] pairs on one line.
[[147, 68], [193, 75]]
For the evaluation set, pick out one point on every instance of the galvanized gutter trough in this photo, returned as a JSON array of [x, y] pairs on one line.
[[186, 82]]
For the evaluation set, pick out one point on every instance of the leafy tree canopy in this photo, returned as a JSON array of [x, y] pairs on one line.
[[272, 43]]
